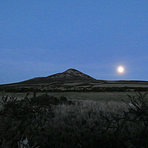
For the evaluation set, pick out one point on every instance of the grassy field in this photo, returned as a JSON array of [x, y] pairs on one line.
[[96, 96]]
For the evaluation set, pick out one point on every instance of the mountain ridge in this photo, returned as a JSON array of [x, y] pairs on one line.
[[71, 74], [74, 80], [68, 75]]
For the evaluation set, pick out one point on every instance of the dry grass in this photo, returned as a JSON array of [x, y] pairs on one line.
[[96, 96], [81, 123]]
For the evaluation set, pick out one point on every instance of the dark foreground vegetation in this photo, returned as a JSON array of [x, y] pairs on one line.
[[72, 89], [50, 122]]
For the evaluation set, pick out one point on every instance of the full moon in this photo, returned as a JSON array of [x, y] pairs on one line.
[[120, 69]]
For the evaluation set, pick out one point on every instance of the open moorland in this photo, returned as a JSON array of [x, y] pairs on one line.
[[73, 80], [73, 110]]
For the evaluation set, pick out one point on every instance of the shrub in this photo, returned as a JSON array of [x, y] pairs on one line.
[[47, 121]]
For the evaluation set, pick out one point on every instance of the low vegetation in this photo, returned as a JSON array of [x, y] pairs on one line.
[[46, 121], [69, 88]]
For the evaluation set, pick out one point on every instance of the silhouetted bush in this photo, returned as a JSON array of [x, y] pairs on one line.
[[47, 121]]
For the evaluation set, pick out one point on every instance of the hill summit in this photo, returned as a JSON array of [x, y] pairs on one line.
[[68, 75], [71, 74]]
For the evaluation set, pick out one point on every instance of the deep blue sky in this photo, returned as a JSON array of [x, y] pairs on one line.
[[42, 37]]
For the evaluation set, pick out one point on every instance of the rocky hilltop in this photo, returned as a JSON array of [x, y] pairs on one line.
[[71, 74], [66, 76]]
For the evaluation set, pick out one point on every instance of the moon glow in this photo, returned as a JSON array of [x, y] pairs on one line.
[[120, 69]]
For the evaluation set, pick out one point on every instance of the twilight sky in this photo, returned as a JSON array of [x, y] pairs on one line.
[[43, 37]]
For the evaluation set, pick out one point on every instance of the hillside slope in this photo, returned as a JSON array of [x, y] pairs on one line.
[[74, 80], [72, 75]]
